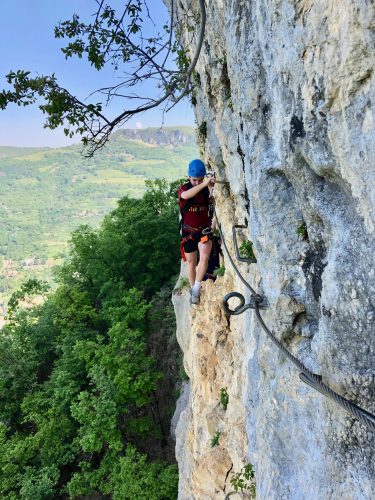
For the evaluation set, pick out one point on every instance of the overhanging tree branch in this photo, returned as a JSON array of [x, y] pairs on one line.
[[121, 42]]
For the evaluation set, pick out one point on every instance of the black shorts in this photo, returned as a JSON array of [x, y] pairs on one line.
[[191, 245]]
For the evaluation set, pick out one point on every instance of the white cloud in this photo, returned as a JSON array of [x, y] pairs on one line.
[[138, 125]]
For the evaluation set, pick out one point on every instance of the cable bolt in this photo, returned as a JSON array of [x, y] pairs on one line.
[[242, 307]]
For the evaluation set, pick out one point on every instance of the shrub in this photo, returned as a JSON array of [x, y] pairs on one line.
[[245, 480], [202, 131], [246, 250], [219, 272], [215, 439], [224, 398], [184, 283], [302, 231]]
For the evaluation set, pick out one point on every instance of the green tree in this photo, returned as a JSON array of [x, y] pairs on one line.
[[80, 376], [138, 245], [120, 39]]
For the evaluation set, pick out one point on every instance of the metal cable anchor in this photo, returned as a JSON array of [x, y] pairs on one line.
[[242, 307]]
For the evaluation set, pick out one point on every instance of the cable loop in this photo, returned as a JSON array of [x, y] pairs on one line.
[[242, 307], [238, 309]]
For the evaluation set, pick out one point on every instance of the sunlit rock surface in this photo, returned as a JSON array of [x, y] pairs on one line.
[[286, 89]]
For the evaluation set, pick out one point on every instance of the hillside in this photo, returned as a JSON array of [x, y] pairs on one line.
[[45, 193], [88, 379]]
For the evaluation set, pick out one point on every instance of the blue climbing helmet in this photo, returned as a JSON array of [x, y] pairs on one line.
[[196, 168]]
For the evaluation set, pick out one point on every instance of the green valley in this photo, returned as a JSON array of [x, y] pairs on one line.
[[46, 193]]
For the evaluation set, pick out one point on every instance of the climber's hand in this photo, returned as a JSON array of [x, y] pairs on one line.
[[209, 181]]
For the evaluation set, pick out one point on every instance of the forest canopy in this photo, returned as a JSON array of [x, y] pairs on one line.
[[87, 378]]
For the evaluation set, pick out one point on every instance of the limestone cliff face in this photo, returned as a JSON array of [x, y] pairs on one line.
[[285, 90]]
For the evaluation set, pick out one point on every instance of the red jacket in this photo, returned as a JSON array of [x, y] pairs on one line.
[[197, 215]]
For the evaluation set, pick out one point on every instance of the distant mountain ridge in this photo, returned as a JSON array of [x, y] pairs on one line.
[[162, 136]]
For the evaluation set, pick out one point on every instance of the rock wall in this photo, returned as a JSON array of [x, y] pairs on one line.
[[284, 104]]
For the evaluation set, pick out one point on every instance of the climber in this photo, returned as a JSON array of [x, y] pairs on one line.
[[195, 199]]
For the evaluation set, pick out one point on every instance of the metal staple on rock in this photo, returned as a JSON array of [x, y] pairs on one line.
[[307, 376], [234, 493]]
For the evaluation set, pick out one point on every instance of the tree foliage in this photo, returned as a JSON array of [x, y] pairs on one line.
[[123, 40], [80, 380]]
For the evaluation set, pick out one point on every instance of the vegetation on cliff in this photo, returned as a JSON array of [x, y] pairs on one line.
[[87, 377]]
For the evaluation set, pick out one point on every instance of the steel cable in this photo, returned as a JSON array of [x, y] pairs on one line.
[[307, 376], [252, 291]]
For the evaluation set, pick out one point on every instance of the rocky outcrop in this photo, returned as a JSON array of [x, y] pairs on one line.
[[284, 104], [214, 362], [162, 136]]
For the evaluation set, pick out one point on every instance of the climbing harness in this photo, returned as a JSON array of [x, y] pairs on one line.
[[206, 230], [258, 302]]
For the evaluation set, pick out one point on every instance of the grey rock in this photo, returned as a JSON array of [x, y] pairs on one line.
[[296, 141]]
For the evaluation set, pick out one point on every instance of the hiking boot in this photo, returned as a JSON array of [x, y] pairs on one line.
[[194, 299]]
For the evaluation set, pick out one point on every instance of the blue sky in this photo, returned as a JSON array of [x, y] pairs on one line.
[[27, 42]]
